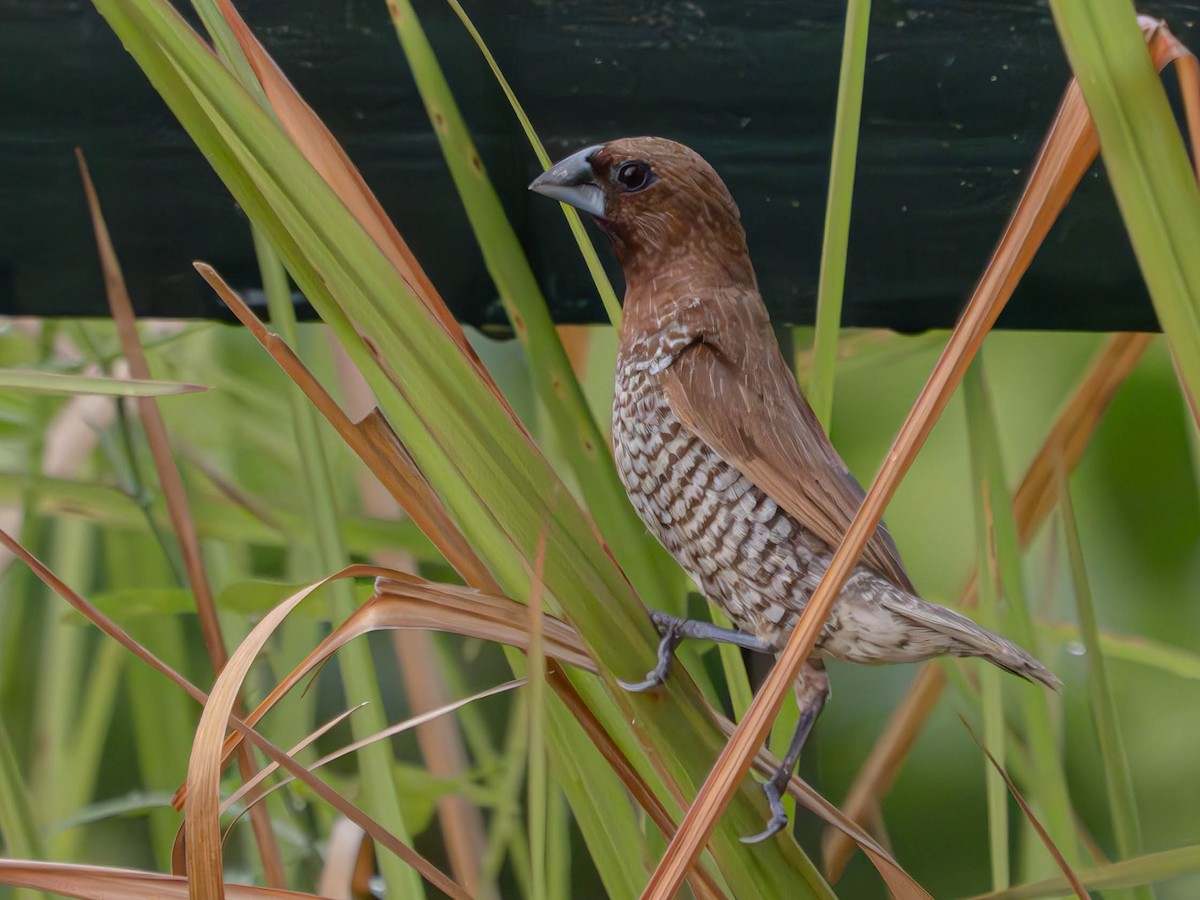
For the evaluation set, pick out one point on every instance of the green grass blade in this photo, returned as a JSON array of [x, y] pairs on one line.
[[55, 383], [991, 689], [1049, 792], [537, 779], [1113, 876], [603, 286], [581, 441], [20, 830], [1146, 162], [837, 209], [88, 738], [1121, 801]]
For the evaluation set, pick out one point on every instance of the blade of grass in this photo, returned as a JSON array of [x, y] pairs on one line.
[[538, 781], [1055, 852], [21, 834], [603, 286], [1049, 783], [1147, 165], [87, 739], [60, 790], [507, 836], [1121, 801], [1068, 150], [991, 690], [1146, 161], [1141, 870], [58, 383], [579, 438], [834, 243], [322, 150], [251, 792], [107, 883]]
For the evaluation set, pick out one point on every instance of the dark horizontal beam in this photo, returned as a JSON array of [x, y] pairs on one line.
[[958, 96]]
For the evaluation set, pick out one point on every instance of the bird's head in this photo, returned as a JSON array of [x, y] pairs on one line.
[[659, 203]]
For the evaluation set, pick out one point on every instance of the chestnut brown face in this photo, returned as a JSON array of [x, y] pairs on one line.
[[654, 199]]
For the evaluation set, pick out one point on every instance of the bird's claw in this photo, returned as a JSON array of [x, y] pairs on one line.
[[670, 632], [779, 816], [653, 679]]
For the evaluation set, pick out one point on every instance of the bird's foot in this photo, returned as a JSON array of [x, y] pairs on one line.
[[671, 630], [779, 816], [674, 630], [812, 689]]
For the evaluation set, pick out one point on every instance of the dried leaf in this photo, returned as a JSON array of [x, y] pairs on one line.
[[105, 883]]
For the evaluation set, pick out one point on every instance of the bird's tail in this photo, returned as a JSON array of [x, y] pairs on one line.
[[966, 638]]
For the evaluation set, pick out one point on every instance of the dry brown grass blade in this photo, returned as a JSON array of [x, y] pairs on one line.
[[1065, 155], [326, 155], [406, 601], [1067, 871], [1032, 503], [96, 617], [1165, 49], [179, 848], [249, 793], [252, 792], [171, 485], [375, 443], [412, 603], [105, 883], [204, 767], [170, 481]]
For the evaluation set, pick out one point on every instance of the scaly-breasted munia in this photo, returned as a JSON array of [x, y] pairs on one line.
[[720, 453]]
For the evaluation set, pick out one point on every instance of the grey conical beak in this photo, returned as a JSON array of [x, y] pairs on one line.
[[573, 181]]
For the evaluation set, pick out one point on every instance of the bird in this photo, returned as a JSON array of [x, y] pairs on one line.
[[720, 453]]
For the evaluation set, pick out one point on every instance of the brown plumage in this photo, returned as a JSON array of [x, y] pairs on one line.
[[719, 452]]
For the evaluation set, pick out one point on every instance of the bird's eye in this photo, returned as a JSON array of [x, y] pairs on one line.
[[633, 176]]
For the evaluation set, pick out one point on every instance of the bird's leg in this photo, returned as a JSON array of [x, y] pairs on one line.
[[812, 690], [674, 630]]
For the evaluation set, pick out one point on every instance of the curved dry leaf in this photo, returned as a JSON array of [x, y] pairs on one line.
[[202, 826], [105, 883], [250, 794]]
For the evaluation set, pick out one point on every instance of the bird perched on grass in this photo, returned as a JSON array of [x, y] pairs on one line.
[[720, 453]]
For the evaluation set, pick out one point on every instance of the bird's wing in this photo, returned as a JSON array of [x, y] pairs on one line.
[[747, 407]]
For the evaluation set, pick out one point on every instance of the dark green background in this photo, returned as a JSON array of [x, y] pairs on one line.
[[958, 96]]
